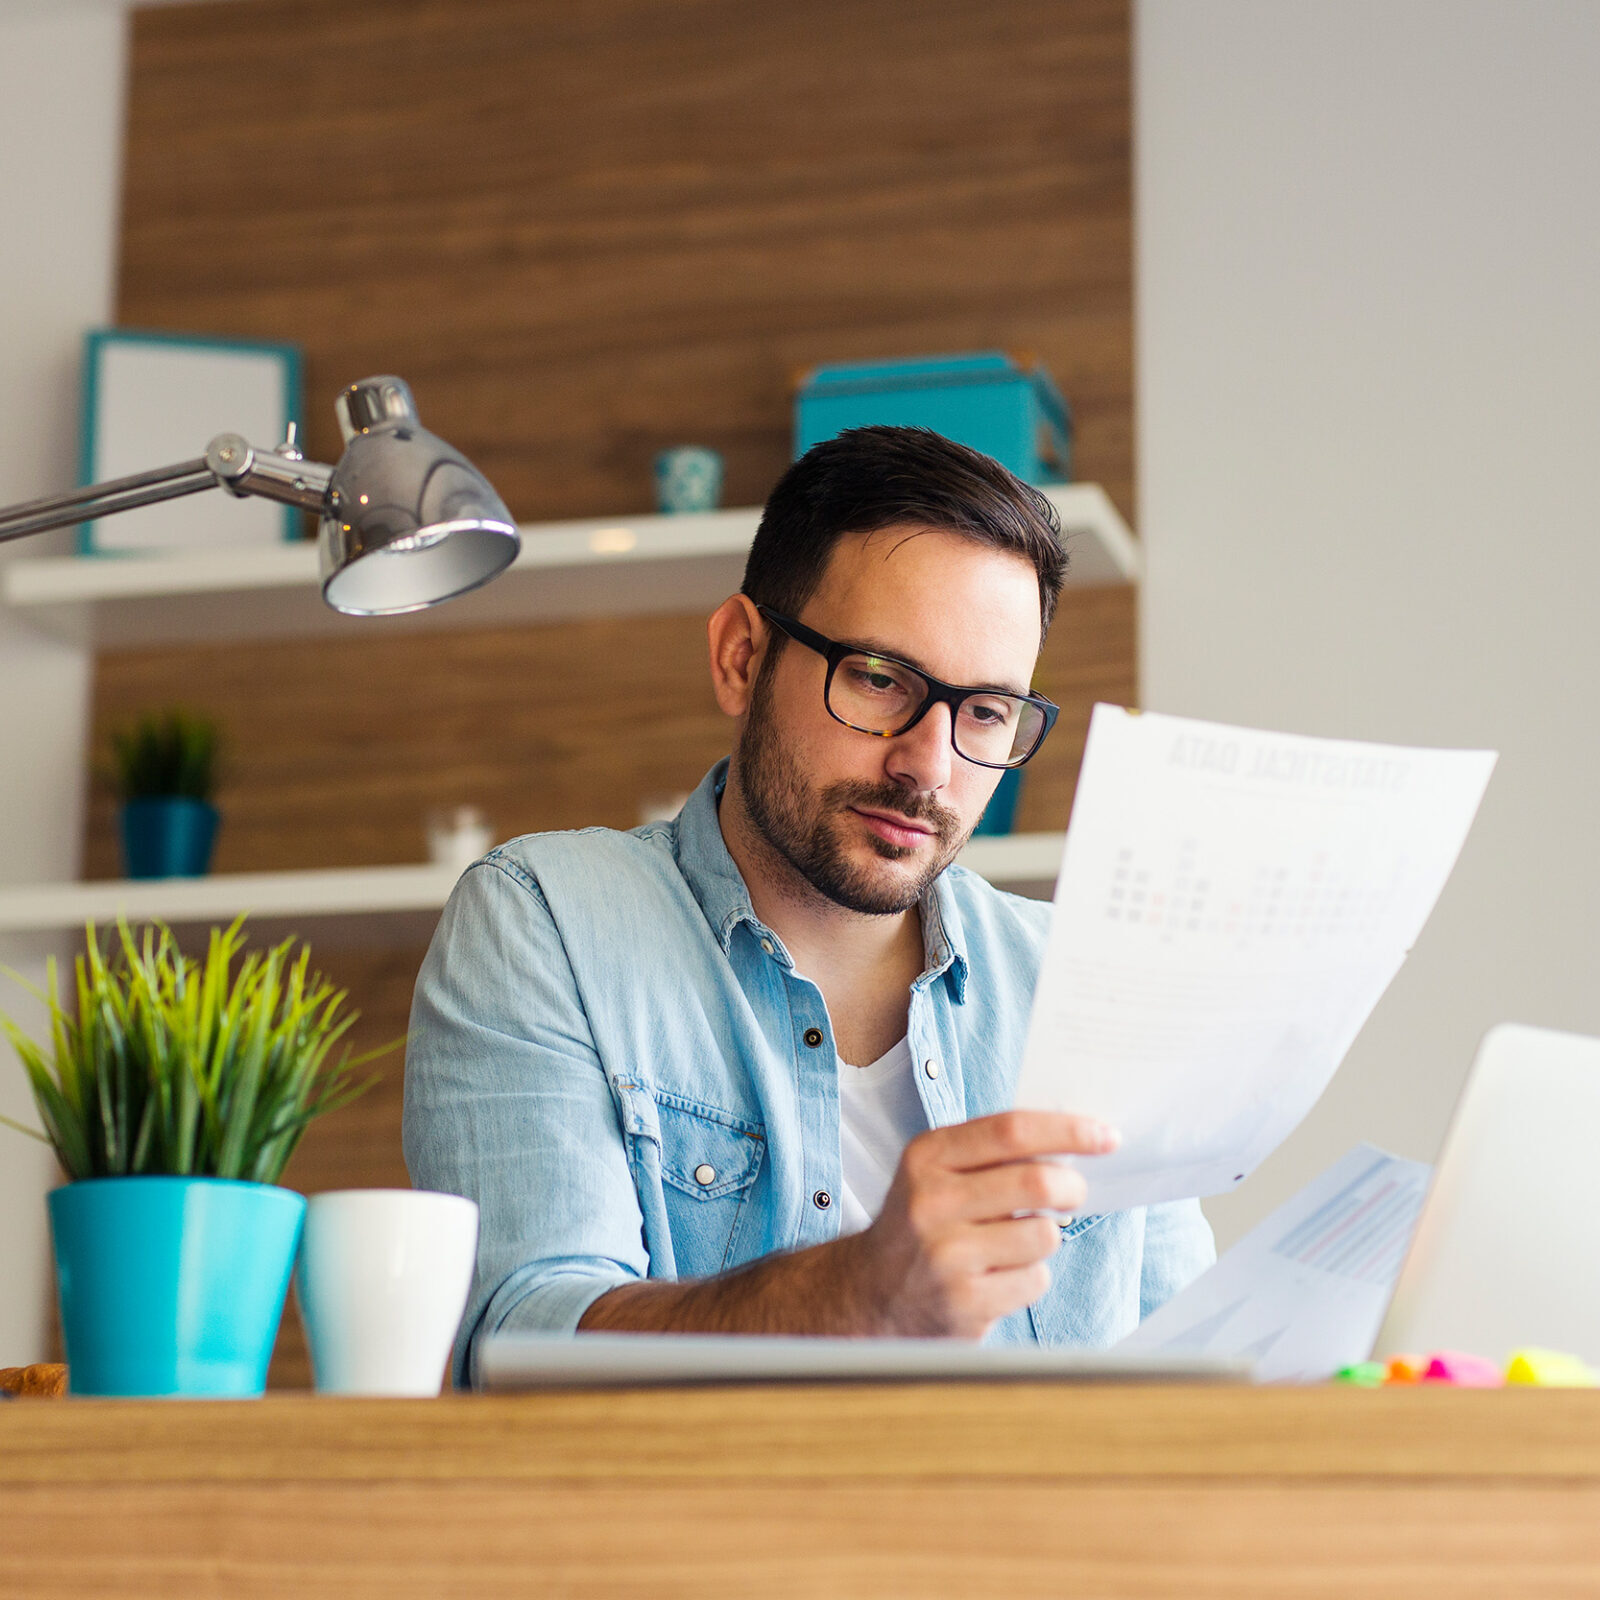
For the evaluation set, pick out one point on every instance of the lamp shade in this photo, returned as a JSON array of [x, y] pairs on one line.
[[409, 521]]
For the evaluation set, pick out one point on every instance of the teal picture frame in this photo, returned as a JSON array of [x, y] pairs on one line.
[[277, 372]]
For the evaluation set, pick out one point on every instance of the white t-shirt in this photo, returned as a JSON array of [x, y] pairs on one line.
[[880, 1111]]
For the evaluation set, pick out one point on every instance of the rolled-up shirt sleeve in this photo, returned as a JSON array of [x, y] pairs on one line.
[[507, 1103]]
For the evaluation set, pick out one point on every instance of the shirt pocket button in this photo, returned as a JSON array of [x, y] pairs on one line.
[[705, 1175]]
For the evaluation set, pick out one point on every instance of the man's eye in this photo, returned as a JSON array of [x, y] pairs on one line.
[[874, 680], [989, 713]]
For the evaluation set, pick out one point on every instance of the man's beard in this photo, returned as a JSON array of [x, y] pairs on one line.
[[804, 825]]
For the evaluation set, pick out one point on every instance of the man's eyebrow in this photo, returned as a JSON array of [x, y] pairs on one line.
[[867, 648]]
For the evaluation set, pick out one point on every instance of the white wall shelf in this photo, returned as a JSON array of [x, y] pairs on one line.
[[599, 567], [412, 894]]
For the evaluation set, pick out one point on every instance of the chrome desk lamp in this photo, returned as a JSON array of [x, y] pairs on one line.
[[406, 520]]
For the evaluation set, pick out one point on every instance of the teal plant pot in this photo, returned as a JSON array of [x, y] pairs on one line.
[[172, 1286], [168, 838], [1000, 815]]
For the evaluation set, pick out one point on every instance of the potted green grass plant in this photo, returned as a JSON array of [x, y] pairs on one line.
[[174, 1090], [165, 776]]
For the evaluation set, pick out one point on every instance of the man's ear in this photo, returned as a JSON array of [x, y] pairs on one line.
[[738, 636]]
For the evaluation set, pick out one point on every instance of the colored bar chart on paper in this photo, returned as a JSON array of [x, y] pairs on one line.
[[1303, 1293], [1362, 1232]]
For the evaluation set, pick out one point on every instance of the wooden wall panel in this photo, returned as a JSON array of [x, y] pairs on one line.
[[587, 232], [336, 748], [583, 234], [333, 750]]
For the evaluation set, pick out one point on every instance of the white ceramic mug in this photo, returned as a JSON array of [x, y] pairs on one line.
[[381, 1283], [458, 836]]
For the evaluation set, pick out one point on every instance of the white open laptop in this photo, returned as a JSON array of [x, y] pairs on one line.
[[1507, 1251], [1494, 1250]]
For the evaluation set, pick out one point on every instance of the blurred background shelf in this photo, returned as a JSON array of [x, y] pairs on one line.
[[596, 567], [410, 897], [1025, 863], [360, 905]]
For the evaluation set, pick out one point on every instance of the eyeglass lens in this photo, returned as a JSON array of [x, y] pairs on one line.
[[879, 696]]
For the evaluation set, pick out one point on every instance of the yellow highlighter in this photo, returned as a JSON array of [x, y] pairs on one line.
[[1550, 1369]]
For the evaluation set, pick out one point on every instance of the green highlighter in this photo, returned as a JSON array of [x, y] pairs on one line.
[[1364, 1374]]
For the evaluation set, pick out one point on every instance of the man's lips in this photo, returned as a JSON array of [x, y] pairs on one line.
[[895, 829]]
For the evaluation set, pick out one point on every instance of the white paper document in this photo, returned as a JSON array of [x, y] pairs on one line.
[[1231, 906], [1303, 1293]]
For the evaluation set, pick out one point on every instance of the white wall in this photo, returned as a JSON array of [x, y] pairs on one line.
[[61, 100], [1369, 386]]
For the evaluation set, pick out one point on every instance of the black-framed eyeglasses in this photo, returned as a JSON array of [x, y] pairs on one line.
[[884, 696]]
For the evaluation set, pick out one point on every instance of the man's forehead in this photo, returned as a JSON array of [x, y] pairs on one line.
[[959, 608]]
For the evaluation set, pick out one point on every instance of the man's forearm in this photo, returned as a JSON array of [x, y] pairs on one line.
[[822, 1290]]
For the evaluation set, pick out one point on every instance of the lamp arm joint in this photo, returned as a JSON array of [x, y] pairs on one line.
[[291, 480]]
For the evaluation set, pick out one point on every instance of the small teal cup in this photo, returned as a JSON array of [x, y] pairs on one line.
[[168, 838], [688, 479], [172, 1286]]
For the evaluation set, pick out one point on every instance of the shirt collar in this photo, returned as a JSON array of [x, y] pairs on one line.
[[944, 944], [715, 882], [704, 861]]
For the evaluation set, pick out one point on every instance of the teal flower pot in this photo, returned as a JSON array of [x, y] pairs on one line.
[[168, 838], [172, 1286]]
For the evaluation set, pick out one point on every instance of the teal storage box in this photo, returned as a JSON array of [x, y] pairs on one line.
[[1007, 408]]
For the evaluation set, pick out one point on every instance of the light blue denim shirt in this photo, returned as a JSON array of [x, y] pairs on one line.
[[613, 1056]]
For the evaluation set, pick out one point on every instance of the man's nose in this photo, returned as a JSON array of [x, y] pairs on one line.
[[920, 757]]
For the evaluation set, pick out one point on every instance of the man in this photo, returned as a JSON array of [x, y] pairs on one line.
[[748, 1071]]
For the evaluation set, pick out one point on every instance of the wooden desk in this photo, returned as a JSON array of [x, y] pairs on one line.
[[936, 1490]]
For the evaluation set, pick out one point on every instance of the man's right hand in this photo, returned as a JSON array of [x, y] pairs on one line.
[[957, 1246], [960, 1243]]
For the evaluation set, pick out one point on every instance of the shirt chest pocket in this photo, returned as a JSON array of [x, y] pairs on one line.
[[709, 1164]]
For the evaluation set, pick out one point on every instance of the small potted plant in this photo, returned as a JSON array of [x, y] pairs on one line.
[[165, 775], [174, 1092]]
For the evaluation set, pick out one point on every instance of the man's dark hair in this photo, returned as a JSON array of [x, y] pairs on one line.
[[871, 478]]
